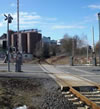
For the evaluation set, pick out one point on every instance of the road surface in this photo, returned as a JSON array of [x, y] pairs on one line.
[[36, 71], [89, 72], [28, 70]]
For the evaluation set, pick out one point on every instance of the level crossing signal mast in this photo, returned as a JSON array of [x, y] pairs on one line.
[[9, 20]]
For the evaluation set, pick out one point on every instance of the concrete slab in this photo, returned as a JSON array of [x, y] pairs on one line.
[[91, 73], [68, 78]]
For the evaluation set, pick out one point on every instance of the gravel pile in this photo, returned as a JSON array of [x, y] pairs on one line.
[[55, 100]]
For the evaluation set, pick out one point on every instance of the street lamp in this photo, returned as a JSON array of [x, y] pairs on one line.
[[9, 20], [99, 35]]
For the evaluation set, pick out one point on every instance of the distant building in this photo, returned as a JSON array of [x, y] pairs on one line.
[[53, 42], [26, 42], [10, 33], [48, 40], [3, 41], [58, 42]]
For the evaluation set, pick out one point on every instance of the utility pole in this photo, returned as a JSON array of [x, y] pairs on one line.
[[87, 52], [93, 39], [18, 33], [72, 57], [18, 15], [73, 46], [99, 35], [9, 20], [19, 45], [93, 52], [18, 24]]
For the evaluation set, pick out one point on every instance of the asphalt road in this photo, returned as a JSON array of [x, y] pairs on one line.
[[28, 70], [88, 72], [35, 71]]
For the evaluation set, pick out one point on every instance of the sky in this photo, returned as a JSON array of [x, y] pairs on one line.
[[54, 18]]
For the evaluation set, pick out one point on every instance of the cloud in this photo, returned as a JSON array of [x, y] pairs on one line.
[[32, 19], [13, 5], [51, 19], [25, 16], [90, 18], [0, 24], [68, 27], [27, 19], [94, 6]]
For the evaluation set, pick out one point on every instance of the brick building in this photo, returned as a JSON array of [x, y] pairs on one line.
[[27, 40], [3, 41]]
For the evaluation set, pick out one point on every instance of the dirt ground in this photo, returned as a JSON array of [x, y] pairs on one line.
[[34, 93]]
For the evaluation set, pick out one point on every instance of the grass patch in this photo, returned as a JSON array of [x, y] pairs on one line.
[[18, 92], [3, 71]]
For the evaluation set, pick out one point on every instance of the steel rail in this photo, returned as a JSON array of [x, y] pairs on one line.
[[79, 95], [83, 98]]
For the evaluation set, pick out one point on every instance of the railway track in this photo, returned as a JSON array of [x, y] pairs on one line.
[[82, 97]]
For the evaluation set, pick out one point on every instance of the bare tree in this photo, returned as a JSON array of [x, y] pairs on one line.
[[53, 49], [45, 50], [79, 44], [66, 44], [38, 50], [97, 47]]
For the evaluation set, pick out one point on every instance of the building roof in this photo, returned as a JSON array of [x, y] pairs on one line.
[[4, 36], [29, 30]]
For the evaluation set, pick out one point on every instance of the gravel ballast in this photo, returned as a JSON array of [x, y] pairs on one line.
[[34, 93]]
